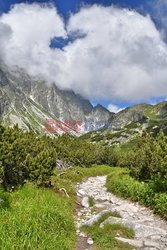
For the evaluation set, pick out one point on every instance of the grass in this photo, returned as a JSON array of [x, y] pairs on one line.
[[105, 237], [118, 229], [122, 184], [91, 201], [36, 219], [115, 214]]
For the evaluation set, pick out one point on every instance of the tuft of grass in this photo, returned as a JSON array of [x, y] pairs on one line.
[[37, 219], [91, 201], [104, 239], [115, 214], [118, 229]]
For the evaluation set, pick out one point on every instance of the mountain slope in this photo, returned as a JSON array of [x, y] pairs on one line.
[[28, 101], [131, 122]]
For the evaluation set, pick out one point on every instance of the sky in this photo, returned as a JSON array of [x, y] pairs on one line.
[[113, 52]]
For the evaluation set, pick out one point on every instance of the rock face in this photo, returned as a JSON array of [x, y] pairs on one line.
[[132, 114], [131, 122], [150, 230], [28, 101]]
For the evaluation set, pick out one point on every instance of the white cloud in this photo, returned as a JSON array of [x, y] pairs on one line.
[[5, 34], [114, 108], [33, 26], [121, 55]]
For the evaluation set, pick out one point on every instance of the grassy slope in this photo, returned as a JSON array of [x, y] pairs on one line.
[[37, 219]]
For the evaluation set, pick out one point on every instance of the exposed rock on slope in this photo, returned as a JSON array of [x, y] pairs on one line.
[[29, 101], [131, 122]]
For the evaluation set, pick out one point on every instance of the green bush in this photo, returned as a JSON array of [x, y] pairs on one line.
[[26, 157], [150, 158]]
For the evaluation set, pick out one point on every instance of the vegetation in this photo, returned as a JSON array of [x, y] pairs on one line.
[[105, 237], [28, 166], [26, 157], [36, 219], [150, 160], [91, 201], [47, 215], [122, 184]]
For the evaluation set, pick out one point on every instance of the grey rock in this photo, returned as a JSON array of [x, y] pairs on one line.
[[82, 235], [85, 202], [135, 243], [81, 192], [90, 241], [149, 243], [155, 237], [94, 218], [146, 231], [60, 165], [111, 220], [150, 248]]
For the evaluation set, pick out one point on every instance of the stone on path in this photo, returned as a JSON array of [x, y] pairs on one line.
[[90, 241], [135, 243], [85, 202]]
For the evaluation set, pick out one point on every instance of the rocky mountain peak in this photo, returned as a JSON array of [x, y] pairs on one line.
[[28, 101]]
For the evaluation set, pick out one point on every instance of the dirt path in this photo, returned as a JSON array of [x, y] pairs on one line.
[[150, 230]]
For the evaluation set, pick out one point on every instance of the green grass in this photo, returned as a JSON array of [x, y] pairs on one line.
[[105, 237], [115, 214], [122, 184], [118, 229], [91, 201], [36, 219]]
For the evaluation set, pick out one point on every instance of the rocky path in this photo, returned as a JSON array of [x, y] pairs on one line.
[[150, 230]]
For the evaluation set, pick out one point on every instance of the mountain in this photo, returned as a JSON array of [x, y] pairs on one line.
[[28, 101], [126, 125]]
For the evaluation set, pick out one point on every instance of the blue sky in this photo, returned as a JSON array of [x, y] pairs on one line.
[[65, 7]]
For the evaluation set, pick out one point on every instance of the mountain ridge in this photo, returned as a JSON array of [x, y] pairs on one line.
[[28, 101]]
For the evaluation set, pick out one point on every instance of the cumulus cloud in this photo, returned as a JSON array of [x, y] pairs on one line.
[[33, 26], [119, 53], [5, 34], [114, 108]]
